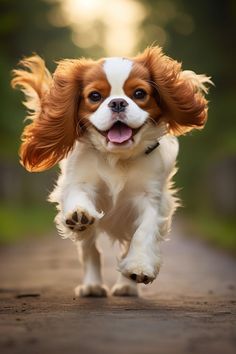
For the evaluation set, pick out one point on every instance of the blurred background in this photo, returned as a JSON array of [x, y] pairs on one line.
[[200, 34]]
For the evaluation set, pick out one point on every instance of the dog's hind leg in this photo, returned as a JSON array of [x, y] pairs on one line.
[[124, 287]]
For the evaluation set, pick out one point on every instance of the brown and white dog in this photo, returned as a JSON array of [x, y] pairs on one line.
[[111, 124]]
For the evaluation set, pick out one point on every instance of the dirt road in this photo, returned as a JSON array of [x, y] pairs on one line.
[[190, 308]]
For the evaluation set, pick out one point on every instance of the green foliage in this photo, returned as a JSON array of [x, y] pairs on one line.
[[25, 29], [215, 230], [198, 33], [22, 221], [201, 34]]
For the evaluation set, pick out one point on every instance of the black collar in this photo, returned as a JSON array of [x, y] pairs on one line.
[[151, 148]]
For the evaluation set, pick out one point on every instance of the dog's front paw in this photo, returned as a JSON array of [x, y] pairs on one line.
[[139, 268], [79, 220], [91, 290]]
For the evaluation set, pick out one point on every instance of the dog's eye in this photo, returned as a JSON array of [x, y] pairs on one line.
[[139, 94], [95, 96]]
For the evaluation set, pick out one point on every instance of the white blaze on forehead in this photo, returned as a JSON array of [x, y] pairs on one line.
[[117, 71]]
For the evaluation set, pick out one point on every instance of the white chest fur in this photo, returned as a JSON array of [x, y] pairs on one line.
[[115, 192]]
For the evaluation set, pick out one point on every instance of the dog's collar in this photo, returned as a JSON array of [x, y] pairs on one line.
[[152, 147]]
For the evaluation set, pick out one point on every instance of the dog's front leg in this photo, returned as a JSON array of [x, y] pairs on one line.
[[92, 279], [142, 262], [78, 211], [79, 219]]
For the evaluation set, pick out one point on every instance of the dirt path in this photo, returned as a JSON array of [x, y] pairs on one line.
[[189, 309]]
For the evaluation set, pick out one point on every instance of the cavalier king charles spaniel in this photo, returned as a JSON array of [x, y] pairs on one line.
[[112, 125]]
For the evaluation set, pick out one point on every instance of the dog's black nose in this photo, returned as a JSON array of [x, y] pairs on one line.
[[118, 105]]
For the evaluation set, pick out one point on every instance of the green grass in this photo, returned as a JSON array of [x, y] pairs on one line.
[[219, 231], [19, 222]]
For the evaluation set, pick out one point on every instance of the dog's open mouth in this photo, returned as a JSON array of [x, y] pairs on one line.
[[119, 133]]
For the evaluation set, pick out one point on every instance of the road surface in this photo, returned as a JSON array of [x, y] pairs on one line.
[[190, 308]]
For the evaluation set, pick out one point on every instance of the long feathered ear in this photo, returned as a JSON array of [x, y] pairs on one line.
[[181, 93], [53, 103]]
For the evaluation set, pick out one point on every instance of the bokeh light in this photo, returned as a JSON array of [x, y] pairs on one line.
[[112, 24]]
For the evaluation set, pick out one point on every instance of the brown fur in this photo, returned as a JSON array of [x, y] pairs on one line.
[[94, 79], [140, 78], [54, 127], [60, 108], [183, 106], [63, 108]]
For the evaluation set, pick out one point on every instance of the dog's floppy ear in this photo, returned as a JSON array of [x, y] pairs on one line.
[[53, 102], [181, 93]]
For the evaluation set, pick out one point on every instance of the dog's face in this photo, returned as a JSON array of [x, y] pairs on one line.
[[118, 104], [115, 104]]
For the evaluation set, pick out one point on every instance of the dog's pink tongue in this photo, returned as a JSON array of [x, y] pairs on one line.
[[119, 133]]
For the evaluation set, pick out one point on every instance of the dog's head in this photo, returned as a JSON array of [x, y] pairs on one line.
[[117, 105]]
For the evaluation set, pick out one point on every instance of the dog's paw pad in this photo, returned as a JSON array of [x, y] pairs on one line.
[[91, 290], [141, 278], [139, 269], [124, 290], [79, 220]]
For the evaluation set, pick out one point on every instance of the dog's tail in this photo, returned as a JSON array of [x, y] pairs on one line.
[[34, 81]]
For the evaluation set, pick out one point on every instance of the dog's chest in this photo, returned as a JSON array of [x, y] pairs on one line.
[[117, 192], [119, 211], [117, 184]]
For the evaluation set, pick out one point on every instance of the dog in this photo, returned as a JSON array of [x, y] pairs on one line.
[[112, 125]]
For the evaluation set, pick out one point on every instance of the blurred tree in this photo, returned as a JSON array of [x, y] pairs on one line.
[[25, 29], [201, 34]]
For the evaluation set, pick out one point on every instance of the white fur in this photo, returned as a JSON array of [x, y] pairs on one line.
[[90, 257], [117, 71], [112, 188], [127, 192], [132, 202]]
